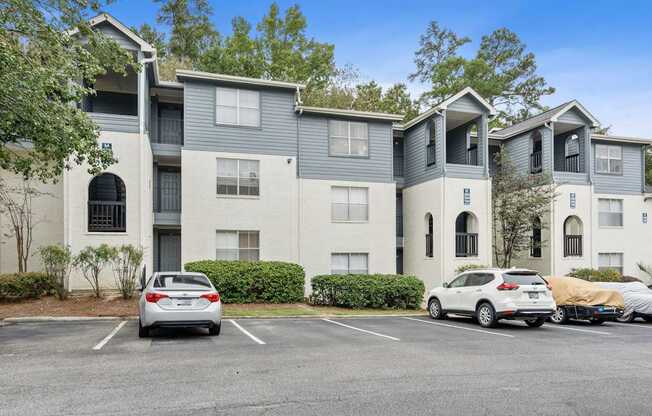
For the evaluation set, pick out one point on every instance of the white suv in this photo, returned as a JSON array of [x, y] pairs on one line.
[[492, 294]]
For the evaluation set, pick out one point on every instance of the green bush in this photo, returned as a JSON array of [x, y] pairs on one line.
[[15, 286], [368, 291], [464, 267], [595, 275], [253, 281]]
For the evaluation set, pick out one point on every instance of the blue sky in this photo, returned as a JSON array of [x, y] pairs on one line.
[[599, 52]]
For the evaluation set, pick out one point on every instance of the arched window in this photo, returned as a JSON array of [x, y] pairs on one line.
[[572, 150], [535, 245], [429, 235], [536, 158], [573, 237], [107, 199], [466, 235]]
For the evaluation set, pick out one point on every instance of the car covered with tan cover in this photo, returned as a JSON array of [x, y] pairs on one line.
[[579, 299]]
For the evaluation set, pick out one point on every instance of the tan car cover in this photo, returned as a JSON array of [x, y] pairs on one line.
[[572, 291]]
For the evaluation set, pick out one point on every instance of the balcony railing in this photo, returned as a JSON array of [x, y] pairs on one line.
[[430, 154], [572, 163], [536, 162], [572, 246], [170, 131], [398, 166], [472, 156], [535, 247], [429, 245], [168, 198], [466, 244], [107, 216]]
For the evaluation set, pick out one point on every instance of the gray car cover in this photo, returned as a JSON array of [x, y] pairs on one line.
[[638, 298]]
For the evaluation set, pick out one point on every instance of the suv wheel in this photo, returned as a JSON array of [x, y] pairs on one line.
[[535, 323], [486, 315], [434, 309], [215, 329], [143, 331], [559, 317], [626, 318]]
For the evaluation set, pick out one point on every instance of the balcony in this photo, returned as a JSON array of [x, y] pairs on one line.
[[430, 154], [572, 164], [466, 244], [429, 245], [572, 246], [170, 131], [107, 216], [536, 162]]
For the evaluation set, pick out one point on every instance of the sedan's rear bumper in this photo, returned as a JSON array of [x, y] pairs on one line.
[[182, 324], [153, 315], [592, 312], [525, 314]]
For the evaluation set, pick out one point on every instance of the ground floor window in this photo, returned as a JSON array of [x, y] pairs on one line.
[[612, 261], [349, 263], [237, 245]]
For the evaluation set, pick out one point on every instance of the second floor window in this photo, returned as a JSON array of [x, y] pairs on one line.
[[349, 204], [610, 212], [608, 159], [348, 138], [237, 107], [238, 177]]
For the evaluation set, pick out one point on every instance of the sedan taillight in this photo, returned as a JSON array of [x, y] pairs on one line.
[[154, 297], [507, 286], [211, 297]]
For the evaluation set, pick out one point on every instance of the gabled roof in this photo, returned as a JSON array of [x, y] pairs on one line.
[[349, 113], [105, 17], [183, 73], [622, 139], [547, 116], [444, 105]]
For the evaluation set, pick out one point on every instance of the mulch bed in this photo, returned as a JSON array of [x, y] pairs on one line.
[[73, 306]]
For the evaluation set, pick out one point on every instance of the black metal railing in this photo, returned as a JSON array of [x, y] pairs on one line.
[[398, 166], [168, 197], [170, 131], [429, 245], [536, 162], [430, 154], [572, 163], [535, 247], [107, 216], [466, 244], [572, 245], [472, 156]]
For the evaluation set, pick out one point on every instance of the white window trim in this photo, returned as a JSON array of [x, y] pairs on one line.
[[237, 108], [609, 159], [348, 138], [237, 182], [621, 212], [348, 269], [237, 249], [348, 203], [620, 268]]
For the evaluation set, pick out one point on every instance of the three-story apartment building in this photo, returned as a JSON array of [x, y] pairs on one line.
[[213, 166]]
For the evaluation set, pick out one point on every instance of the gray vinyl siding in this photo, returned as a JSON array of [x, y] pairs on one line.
[[519, 149], [277, 134], [122, 40], [467, 104], [630, 182], [116, 122], [315, 162], [456, 144], [416, 139], [464, 171], [572, 116]]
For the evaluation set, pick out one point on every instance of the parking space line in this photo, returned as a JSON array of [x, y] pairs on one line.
[[108, 337], [361, 330], [590, 331], [247, 333], [460, 327]]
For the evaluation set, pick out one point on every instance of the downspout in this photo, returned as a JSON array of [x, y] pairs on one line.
[[442, 207], [553, 231], [298, 103]]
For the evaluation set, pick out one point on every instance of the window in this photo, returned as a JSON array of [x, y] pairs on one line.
[[524, 278], [478, 279], [459, 282], [608, 159], [348, 138], [612, 261], [237, 177], [349, 204], [187, 282], [431, 150], [349, 263], [573, 237], [429, 235], [535, 243], [237, 107], [107, 204], [237, 245], [610, 212], [572, 145]]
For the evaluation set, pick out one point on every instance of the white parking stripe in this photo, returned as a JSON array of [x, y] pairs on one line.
[[108, 337], [590, 331], [361, 330], [460, 327], [247, 333]]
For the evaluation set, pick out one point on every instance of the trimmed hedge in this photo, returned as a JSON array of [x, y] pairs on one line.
[[595, 275], [253, 281], [368, 291], [16, 286]]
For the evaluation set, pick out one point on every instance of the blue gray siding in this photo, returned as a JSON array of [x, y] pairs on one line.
[[111, 32], [456, 141], [416, 139], [572, 116], [519, 149], [630, 182], [315, 162], [116, 122], [467, 104], [276, 136]]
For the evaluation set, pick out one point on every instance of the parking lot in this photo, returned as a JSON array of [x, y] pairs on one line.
[[379, 366]]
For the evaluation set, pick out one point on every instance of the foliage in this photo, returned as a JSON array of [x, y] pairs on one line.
[[57, 260], [501, 71], [16, 286], [191, 30], [368, 291], [91, 261], [43, 46], [153, 37], [252, 282], [595, 275], [469, 266], [648, 166], [516, 201], [645, 268], [126, 261]]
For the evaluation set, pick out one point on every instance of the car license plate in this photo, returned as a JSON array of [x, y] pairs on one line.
[[184, 302], [534, 295]]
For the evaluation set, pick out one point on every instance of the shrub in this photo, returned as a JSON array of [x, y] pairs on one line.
[[464, 267], [253, 281], [91, 261], [595, 275], [368, 291], [57, 260], [126, 261], [15, 286]]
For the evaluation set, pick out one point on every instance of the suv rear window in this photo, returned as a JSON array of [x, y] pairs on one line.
[[523, 278], [181, 282]]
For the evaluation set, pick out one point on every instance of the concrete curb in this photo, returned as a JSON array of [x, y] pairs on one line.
[[29, 319]]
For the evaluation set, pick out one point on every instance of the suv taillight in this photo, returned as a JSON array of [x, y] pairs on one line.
[[507, 286], [211, 297], [154, 297]]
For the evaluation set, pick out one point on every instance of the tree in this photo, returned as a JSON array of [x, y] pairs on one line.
[[57, 260], [126, 261], [192, 33], [501, 71], [44, 47], [516, 201], [648, 166], [395, 100], [153, 37], [91, 261]]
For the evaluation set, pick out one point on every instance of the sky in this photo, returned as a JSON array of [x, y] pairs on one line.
[[598, 52]]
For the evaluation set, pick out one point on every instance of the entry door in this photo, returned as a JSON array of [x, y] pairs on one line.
[[170, 183], [169, 252]]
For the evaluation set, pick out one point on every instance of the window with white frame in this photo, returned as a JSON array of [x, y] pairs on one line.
[[349, 204], [349, 263], [608, 159], [610, 212], [238, 177], [612, 261], [237, 107], [348, 138], [237, 245]]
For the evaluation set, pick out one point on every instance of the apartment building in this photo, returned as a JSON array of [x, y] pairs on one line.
[[213, 166]]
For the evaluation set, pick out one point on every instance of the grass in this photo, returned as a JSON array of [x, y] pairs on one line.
[[299, 309]]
